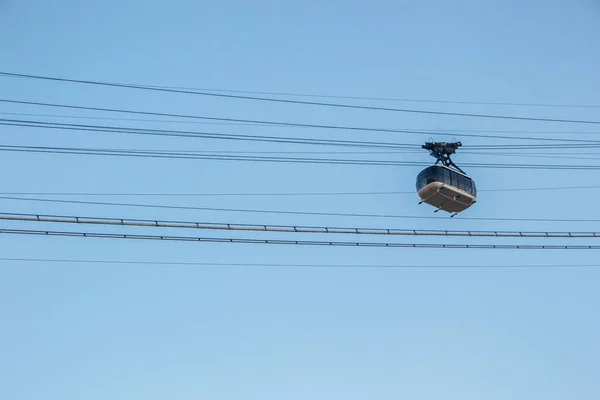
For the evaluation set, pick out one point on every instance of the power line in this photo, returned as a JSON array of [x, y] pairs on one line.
[[153, 223], [279, 123], [170, 121], [210, 194], [164, 155], [178, 121], [413, 148], [540, 188], [312, 103], [357, 97], [301, 160], [412, 151], [291, 242], [389, 99], [276, 139], [239, 194], [532, 155], [344, 266], [590, 145], [207, 135], [281, 212]]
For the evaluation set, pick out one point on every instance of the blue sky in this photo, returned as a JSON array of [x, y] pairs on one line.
[[123, 331]]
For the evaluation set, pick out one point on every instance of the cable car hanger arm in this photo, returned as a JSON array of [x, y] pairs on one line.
[[441, 152]]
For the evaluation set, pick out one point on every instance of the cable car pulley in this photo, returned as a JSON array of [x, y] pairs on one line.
[[441, 152]]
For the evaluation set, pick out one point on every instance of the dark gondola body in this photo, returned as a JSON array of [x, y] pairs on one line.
[[446, 189]]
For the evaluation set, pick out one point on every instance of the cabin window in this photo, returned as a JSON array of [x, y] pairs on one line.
[[444, 175], [468, 186], [453, 178], [421, 180], [457, 180]]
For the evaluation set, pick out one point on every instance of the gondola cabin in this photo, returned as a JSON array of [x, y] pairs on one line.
[[446, 189]]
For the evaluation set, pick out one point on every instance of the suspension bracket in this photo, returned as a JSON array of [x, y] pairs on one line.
[[441, 151]]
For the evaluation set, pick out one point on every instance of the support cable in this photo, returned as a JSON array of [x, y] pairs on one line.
[[285, 212], [301, 102], [279, 265], [287, 228], [292, 242]]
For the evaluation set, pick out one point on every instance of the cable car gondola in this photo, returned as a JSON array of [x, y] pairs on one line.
[[445, 188]]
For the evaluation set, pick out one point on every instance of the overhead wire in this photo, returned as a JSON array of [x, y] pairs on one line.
[[280, 139], [277, 139], [240, 194], [281, 123], [393, 99], [531, 155], [409, 149], [164, 155], [388, 99], [301, 160], [300, 102], [179, 121], [245, 152], [225, 226], [210, 135], [98, 235], [284, 265], [283, 212], [394, 147]]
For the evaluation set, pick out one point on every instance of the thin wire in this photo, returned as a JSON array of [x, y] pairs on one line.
[[252, 158], [284, 194], [171, 207], [227, 152], [221, 264], [171, 121], [174, 121], [312, 103], [209, 194], [391, 99], [561, 155], [300, 160], [278, 123], [153, 223], [292, 242], [532, 155], [354, 97], [207, 135], [540, 188], [280, 139]]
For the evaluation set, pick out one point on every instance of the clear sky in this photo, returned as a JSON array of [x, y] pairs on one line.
[[124, 331]]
